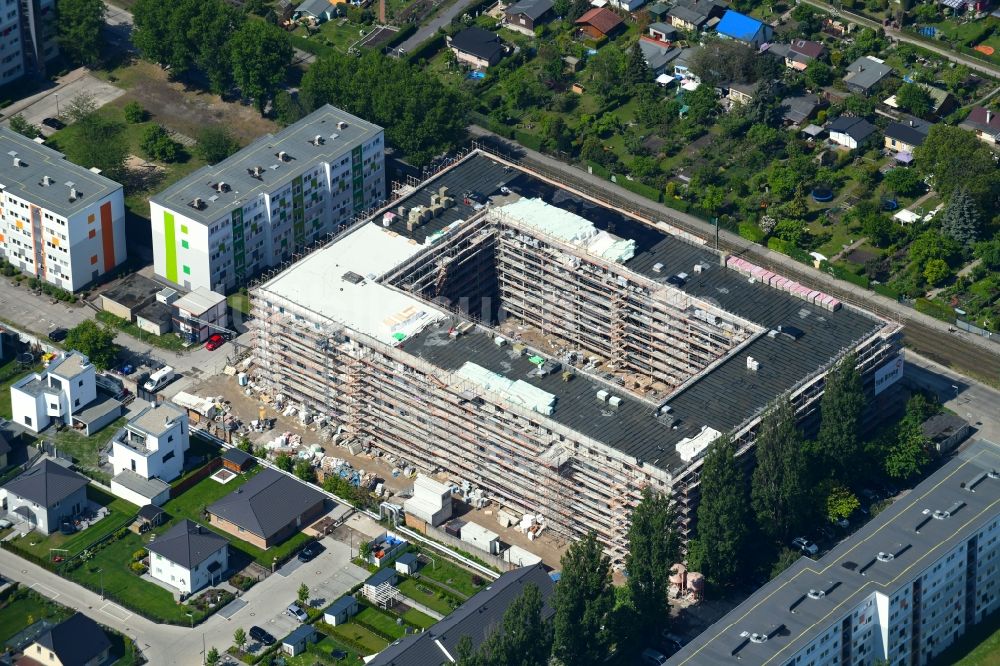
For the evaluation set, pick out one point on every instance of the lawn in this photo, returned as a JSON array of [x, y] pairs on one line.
[[382, 621], [418, 619], [191, 504], [422, 594], [85, 449], [121, 515], [360, 636], [10, 372], [453, 576], [109, 567], [170, 341], [321, 653], [979, 647], [24, 608], [239, 302]]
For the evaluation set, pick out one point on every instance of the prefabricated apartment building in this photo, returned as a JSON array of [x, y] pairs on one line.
[[503, 330]]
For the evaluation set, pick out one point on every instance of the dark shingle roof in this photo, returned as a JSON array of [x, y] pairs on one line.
[[75, 641], [5, 446], [150, 512], [267, 503], [381, 576], [858, 129], [913, 131], [478, 42], [237, 457], [46, 483], [187, 544], [533, 9], [341, 604], [407, 558], [476, 618]]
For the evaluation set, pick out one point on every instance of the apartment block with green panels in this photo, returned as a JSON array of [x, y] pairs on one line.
[[225, 223]]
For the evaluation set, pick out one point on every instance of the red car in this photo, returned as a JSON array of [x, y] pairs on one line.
[[214, 342]]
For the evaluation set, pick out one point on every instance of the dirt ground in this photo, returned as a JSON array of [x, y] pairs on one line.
[[187, 110], [549, 546]]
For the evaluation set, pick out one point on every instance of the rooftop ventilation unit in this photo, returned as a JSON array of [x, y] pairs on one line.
[[614, 401], [198, 204], [885, 557], [758, 638], [341, 125], [317, 140], [816, 594], [73, 194], [658, 267], [46, 181], [282, 156], [17, 161], [602, 395], [256, 172], [222, 187]]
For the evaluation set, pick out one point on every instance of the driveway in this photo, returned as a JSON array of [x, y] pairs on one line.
[[329, 576], [53, 102]]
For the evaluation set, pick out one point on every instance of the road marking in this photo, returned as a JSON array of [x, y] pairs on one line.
[[51, 594], [116, 612]]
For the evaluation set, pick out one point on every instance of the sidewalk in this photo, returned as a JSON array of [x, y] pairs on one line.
[[61, 83]]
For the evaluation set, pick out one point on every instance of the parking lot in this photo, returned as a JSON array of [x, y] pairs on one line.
[[329, 576]]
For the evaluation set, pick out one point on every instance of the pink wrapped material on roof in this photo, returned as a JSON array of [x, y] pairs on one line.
[[813, 295], [766, 277]]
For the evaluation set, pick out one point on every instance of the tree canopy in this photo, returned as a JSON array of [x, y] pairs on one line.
[[956, 158], [523, 639], [94, 341], [915, 99], [654, 547], [421, 118], [81, 25], [780, 482], [961, 220], [583, 606], [840, 409]]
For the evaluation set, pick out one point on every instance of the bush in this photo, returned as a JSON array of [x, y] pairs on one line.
[[138, 567], [751, 232], [139, 555], [157, 144], [641, 189], [935, 309], [216, 144], [134, 113]]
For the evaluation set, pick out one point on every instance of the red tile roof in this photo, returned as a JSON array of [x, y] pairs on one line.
[[603, 19], [807, 48]]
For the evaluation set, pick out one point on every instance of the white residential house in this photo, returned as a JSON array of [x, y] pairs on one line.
[[60, 222], [152, 443], [64, 388], [188, 557]]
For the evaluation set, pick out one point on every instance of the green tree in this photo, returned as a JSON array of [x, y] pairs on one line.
[[936, 272], [215, 143], [988, 252], [260, 56], [909, 454], [81, 24], [524, 638], [134, 113], [786, 558], [956, 159], [961, 219], [94, 341], [636, 70], [100, 143], [723, 61], [915, 99], [721, 548], [932, 245], [303, 594], [157, 144], [210, 32], [284, 462], [81, 107], [304, 470], [240, 638], [780, 481], [287, 108], [840, 503], [903, 181], [818, 74], [607, 72], [212, 657], [654, 548], [23, 127], [583, 602], [840, 407], [702, 104]]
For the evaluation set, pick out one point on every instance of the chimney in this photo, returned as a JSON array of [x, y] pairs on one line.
[[221, 186], [911, 123], [989, 116], [341, 125], [256, 171], [197, 203]]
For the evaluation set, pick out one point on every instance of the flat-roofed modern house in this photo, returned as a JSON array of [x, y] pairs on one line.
[[188, 557], [152, 443], [76, 641], [267, 509], [62, 392], [45, 495], [227, 222], [200, 314], [900, 590], [59, 221]]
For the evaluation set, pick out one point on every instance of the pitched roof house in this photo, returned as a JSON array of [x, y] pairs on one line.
[[851, 132], [985, 123], [694, 15], [188, 556], [476, 47], [600, 22], [267, 509], [476, 618], [906, 135], [865, 73], [77, 641], [744, 29], [526, 15], [799, 108], [657, 54], [46, 495]]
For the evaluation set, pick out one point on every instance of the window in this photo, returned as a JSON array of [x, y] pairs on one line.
[[92, 233], [168, 456], [76, 403], [27, 420], [133, 465]]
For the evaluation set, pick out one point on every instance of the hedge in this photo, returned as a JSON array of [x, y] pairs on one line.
[[641, 189], [842, 273], [428, 48], [935, 309], [599, 170], [886, 291], [751, 232], [28, 555], [792, 250], [401, 35], [310, 46], [532, 141]]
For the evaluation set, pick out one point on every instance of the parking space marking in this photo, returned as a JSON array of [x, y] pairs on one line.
[[48, 591], [116, 612]]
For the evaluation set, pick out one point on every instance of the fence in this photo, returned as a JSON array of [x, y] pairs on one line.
[[196, 477], [454, 542], [972, 328]]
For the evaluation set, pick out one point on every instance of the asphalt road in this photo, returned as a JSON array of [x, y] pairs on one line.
[[975, 402], [441, 19], [936, 339], [972, 63]]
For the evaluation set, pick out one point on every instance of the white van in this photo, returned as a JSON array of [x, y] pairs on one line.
[[159, 379]]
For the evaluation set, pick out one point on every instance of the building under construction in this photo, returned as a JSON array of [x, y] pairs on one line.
[[549, 352]]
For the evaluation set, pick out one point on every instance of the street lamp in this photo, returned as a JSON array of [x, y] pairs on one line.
[[57, 105], [101, 572], [191, 617], [955, 387]]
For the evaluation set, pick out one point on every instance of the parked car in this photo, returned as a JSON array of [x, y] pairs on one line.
[[214, 342], [672, 643], [58, 334], [262, 636], [53, 123], [296, 611], [309, 552], [805, 546], [652, 657]]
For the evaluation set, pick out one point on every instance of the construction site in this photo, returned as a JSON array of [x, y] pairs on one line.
[[541, 352]]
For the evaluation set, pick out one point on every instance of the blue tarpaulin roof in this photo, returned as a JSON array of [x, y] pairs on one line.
[[738, 26]]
